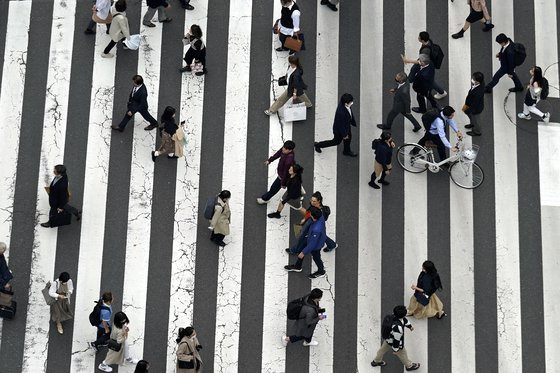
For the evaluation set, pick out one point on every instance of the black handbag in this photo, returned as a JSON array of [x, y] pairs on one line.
[[422, 298], [282, 80], [112, 344], [183, 364]]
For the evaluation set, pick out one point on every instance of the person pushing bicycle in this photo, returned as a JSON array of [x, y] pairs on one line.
[[437, 120]]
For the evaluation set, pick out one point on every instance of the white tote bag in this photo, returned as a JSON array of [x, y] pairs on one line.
[[133, 42], [294, 112]]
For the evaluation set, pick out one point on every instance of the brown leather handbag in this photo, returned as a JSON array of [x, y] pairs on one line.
[[294, 44]]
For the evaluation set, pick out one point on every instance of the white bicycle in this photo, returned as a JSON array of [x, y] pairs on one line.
[[463, 169]]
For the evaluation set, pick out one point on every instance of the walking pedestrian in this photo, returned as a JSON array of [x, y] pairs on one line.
[[507, 65], [142, 367], [316, 201], [296, 87], [343, 120], [474, 104], [329, 5], [118, 353], [309, 316], [169, 127], [288, 26], [436, 133], [153, 6], [425, 303], [422, 79], [185, 4], [137, 103], [104, 326], [5, 274], [196, 51], [401, 103], [61, 289], [119, 29], [392, 332], [219, 225], [59, 196], [315, 241], [382, 167], [101, 14], [431, 50], [286, 159], [188, 355], [294, 191], [536, 90], [479, 12]]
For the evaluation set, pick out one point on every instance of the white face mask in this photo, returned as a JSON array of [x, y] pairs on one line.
[[473, 82], [350, 104]]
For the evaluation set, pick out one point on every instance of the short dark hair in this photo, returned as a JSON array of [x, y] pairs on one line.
[[224, 194], [316, 213], [316, 294], [141, 367], [137, 79], [385, 135], [64, 277], [107, 296], [120, 6], [424, 36], [289, 144], [399, 311], [478, 76], [502, 38], [447, 111], [346, 98], [60, 169], [120, 319]]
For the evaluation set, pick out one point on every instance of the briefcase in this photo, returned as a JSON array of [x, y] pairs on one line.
[[61, 218], [7, 304]]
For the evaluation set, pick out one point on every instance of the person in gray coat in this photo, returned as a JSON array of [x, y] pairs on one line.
[[309, 316], [401, 103]]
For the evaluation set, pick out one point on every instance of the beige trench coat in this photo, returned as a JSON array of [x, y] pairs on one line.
[[178, 139], [186, 351], [116, 357], [119, 26], [221, 218]]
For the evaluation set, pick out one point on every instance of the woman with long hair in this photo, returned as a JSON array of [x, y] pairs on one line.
[[168, 129], [533, 96], [117, 352], [219, 225], [188, 356], [295, 89], [294, 191], [424, 302]]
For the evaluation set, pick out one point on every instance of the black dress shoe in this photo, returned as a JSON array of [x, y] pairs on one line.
[[89, 32], [383, 127], [188, 7], [153, 156], [350, 154], [150, 127], [149, 24], [416, 129], [383, 182], [281, 49], [416, 109], [469, 125], [79, 215], [516, 89], [185, 69], [117, 129], [331, 6], [45, 225], [472, 133], [373, 185], [317, 148], [167, 20]]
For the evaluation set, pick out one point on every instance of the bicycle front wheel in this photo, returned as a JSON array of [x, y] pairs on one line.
[[412, 157], [466, 175]]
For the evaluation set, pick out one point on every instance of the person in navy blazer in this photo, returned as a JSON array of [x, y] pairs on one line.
[[422, 78], [343, 120], [58, 196], [507, 65], [137, 103]]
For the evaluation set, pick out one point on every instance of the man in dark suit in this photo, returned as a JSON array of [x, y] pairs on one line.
[[507, 65], [343, 119], [422, 79], [401, 103], [474, 103], [58, 196], [137, 103]]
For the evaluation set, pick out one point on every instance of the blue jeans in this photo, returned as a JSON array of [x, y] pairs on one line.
[[302, 239], [274, 188]]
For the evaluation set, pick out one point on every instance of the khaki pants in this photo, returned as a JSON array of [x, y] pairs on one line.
[[403, 357], [281, 101]]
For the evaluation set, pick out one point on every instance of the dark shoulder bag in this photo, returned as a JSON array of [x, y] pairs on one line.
[[184, 364]]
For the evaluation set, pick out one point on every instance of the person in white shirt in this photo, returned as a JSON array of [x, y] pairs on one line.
[[101, 14], [436, 133], [289, 23], [61, 290], [534, 95]]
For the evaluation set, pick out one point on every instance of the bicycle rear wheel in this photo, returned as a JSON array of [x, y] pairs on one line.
[[466, 175], [408, 156]]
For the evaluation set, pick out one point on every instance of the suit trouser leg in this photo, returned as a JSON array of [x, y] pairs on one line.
[[496, 78], [432, 100], [516, 80], [161, 13], [149, 15], [91, 25], [346, 143], [280, 101], [391, 117], [274, 188], [334, 142], [440, 146], [147, 116], [411, 118], [125, 120], [71, 209], [474, 121], [421, 101]]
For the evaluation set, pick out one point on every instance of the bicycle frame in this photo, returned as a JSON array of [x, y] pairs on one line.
[[436, 166]]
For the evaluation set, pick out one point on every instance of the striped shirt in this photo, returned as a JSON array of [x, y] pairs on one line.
[[396, 340]]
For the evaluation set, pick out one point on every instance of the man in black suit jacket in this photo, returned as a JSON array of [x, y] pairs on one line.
[[343, 119], [507, 65], [401, 103], [474, 103], [422, 79], [58, 196], [137, 103]]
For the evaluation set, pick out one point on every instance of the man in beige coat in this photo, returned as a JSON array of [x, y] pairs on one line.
[[119, 27]]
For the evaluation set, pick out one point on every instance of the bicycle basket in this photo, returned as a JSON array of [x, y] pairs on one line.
[[469, 153]]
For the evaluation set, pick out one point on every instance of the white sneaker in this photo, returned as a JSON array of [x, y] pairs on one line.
[[268, 112], [312, 343], [130, 360], [105, 367], [546, 117], [284, 341], [439, 96], [524, 116], [261, 201], [107, 55]]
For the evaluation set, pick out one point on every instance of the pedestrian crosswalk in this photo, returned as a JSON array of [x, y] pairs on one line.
[[142, 235]]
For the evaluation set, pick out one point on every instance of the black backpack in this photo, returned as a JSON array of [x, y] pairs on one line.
[[544, 89], [211, 202], [294, 308], [436, 55], [519, 53], [387, 326], [95, 315], [428, 118]]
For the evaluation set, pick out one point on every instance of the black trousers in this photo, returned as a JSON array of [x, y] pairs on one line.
[[337, 139], [393, 114], [498, 75], [143, 112], [91, 26], [421, 98], [194, 54], [217, 237], [67, 207], [111, 45], [436, 140], [102, 338], [295, 338]]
